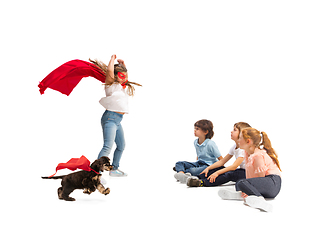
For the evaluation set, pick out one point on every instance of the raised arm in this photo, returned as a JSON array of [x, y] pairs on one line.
[[110, 71], [120, 61]]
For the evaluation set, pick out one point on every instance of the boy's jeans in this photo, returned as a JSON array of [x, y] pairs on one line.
[[194, 168], [112, 132]]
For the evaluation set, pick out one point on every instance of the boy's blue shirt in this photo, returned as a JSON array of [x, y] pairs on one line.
[[207, 152]]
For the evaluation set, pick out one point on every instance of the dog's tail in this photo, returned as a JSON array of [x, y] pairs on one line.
[[57, 177]]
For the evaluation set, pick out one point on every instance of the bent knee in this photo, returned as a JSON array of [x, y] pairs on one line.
[[121, 147]]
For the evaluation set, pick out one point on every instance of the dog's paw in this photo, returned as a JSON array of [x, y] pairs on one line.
[[87, 191], [69, 199], [107, 191]]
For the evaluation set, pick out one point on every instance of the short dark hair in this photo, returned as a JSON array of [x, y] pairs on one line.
[[205, 125]]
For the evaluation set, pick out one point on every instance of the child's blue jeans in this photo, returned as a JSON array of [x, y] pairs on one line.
[[112, 132], [194, 168]]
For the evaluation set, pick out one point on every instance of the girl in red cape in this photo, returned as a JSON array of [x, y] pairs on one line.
[[117, 88]]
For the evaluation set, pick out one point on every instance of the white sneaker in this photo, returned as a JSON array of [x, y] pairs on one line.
[[103, 181], [117, 173], [230, 194], [182, 177], [259, 203]]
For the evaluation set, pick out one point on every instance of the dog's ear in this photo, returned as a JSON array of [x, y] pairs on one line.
[[97, 165], [105, 159]]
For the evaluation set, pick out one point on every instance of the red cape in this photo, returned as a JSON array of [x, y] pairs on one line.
[[66, 77], [75, 163]]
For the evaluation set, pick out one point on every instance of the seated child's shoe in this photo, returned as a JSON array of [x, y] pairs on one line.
[[259, 203], [177, 176], [194, 182], [117, 173], [230, 194], [182, 177], [185, 177]]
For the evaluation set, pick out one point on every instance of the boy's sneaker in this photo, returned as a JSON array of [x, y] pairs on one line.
[[182, 177], [230, 195], [117, 173], [194, 182], [259, 203]]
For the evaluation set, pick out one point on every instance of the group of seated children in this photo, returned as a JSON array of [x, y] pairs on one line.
[[256, 170]]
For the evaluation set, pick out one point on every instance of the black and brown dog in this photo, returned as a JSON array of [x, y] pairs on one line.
[[89, 181]]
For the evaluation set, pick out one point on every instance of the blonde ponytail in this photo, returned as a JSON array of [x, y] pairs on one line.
[[260, 139], [266, 143]]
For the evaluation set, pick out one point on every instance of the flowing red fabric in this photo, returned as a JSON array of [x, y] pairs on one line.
[[75, 163], [66, 77]]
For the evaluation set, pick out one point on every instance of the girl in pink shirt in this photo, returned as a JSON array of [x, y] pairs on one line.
[[263, 178]]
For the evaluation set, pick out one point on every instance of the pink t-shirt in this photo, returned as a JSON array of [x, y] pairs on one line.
[[260, 162]]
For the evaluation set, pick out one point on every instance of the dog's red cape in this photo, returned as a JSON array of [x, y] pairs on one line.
[[66, 77], [75, 163]]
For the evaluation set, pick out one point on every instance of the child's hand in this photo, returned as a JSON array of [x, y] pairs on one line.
[[114, 56], [120, 61], [205, 171], [213, 177]]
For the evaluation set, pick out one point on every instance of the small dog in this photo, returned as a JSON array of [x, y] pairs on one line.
[[89, 181]]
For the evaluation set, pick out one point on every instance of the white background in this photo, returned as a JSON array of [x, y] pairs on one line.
[[268, 63]]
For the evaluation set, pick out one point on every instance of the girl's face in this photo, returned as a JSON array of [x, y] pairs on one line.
[[122, 77], [199, 132], [235, 134], [243, 144]]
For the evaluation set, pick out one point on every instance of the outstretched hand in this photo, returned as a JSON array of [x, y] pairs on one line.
[[205, 172], [212, 177]]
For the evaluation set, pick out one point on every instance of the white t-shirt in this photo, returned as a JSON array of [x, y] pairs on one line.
[[238, 153], [116, 99]]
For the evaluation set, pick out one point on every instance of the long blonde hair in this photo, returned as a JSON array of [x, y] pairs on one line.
[[117, 68], [261, 139]]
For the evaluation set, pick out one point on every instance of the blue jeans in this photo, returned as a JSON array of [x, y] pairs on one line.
[[112, 132], [194, 168]]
